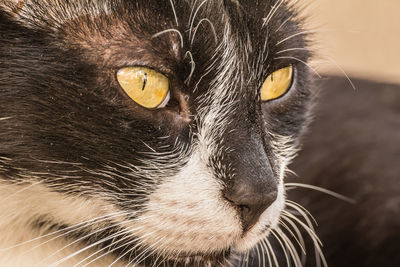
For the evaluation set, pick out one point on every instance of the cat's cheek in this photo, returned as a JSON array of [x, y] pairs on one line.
[[187, 214]]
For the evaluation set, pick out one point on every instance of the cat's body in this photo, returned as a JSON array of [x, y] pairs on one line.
[[89, 168]]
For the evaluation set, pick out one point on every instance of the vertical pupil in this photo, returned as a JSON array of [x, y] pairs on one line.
[[144, 81], [272, 77]]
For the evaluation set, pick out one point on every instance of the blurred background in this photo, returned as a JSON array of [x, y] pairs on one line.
[[353, 146], [360, 36]]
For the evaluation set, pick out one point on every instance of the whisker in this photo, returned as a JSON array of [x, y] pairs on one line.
[[302, 61], [309, 228], [274, 258], [293, 49], [212, 28], [323, 190], [296, 34], [263, 253], [317, 242], [89, 246], [168, 31], [292, 250], [272, 13], [277, 237], [300, 236], [297, 206], [283, 23], [21, 190], [297, 237], [191, 12], [193, 66], [73, 227], [173, 9], [148, 249], [194, 17], [102, 249], [334, 62], [258, 256], [5, 118]]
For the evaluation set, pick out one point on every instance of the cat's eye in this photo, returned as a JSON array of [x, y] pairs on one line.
[[277, 84], [147, 87]]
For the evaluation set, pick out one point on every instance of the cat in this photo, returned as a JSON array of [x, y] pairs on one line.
[[149, 133]]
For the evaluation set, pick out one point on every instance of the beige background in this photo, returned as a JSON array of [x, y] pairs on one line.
[[360, 36]]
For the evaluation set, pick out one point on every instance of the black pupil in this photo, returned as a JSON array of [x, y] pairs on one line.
[[144, 81]]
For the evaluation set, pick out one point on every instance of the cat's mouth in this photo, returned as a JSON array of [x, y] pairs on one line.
[[221, 257]]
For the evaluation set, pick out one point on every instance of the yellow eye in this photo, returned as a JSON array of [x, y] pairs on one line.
[[277, 84], [146, 87]]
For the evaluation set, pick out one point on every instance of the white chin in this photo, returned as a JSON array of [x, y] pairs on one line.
[[186, 214]]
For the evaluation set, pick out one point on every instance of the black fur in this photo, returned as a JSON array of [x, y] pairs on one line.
[[72, 127]]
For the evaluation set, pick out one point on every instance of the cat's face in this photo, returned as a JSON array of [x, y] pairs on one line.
[[189, 177]]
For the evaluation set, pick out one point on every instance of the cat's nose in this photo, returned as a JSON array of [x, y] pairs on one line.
[[251, 201], [250, 183]]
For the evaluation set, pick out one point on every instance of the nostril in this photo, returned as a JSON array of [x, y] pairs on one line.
[[250, 206]]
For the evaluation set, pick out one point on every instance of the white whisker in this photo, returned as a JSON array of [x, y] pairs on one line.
[[173, 9], [296, 34], [293, 49], [194, 17], [168, 31], [302, 61], [212, 28], [296, 237], [281, 243], [331, 60], [272, 13], [274, 258], [322, 190], [317, 242], [21, 190], [193, 66], [303, 211], [5, 118], [87, 247], [299, 235], [292, 250], [125, 232]]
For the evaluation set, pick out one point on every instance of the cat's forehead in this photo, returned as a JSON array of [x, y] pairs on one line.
[[151, 16], [178, 37]]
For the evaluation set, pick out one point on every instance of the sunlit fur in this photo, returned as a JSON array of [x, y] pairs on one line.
[[96, 180]]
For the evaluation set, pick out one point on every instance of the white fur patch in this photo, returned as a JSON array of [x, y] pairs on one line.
[[21, 244], [187, 213]]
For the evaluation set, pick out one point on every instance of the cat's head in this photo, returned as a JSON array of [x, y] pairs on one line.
[[167, 126]]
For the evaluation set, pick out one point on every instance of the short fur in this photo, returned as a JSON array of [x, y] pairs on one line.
[[82, 164]]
